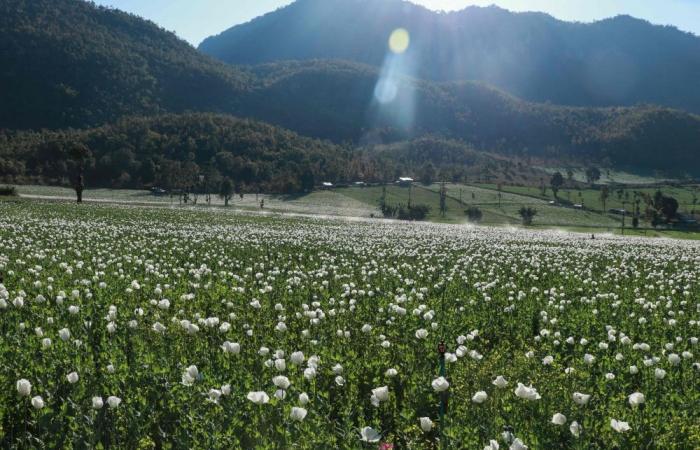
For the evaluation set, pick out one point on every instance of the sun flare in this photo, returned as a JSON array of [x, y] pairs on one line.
[[399, 41]]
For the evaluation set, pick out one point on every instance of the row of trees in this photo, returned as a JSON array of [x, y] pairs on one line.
[[176, 151]]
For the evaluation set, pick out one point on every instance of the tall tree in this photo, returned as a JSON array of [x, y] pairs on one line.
[[556, 183], [527, 214], [473, 214], [570, 175], [427, 173], [592, 175], [308, 180], [226, 190], [80, 154]]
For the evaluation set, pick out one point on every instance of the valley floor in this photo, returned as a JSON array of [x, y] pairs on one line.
[[499, 208]]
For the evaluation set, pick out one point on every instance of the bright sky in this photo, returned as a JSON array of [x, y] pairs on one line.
[[195, 20]]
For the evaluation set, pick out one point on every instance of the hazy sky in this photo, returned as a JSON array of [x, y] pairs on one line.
[[194, 20]]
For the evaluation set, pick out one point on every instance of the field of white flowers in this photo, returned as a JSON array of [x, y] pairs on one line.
[[135, 327]]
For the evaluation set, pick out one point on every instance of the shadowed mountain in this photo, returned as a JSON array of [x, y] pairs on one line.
[[618, 61], [67, 63], [337, 101]]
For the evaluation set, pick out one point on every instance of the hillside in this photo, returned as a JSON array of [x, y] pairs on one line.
[[68, 63], [172, 151], [619, 61], [336, 101]]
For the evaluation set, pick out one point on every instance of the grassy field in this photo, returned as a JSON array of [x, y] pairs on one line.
[[495, 212], [364, 202], [317, 202], [591, 197], [608, 176]]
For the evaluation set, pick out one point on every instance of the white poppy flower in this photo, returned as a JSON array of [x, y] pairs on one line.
[[421, 333], [64, 334], [369, 434], [190, 375], [480, 397], [37, 402], [575, 429], [581, 399], [440, 384], [281, 382], [500, 382], [382, 393], [214, 395], [24, 387], [527, 392], [492, 445], [97, 402], [309, 373], [259, 397], [113, 401], [518, 445], [636, 399], [297, 358], [558, 419], [298, 414], [231, 347], [619, 426]]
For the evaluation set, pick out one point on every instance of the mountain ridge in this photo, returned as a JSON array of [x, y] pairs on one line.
[[611, 62], [69, 64]]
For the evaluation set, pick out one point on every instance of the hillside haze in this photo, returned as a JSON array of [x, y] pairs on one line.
[[619, 61]]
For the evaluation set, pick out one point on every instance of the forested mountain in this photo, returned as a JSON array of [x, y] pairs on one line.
[[619, 61], [69, 64], [337, 101], [173, 151]]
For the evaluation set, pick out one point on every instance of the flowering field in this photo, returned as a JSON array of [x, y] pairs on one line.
[[130, 327]]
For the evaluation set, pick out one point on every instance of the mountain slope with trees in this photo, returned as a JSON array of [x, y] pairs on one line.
[[335, 100], [70, 64], [173, 151], [618, 61]]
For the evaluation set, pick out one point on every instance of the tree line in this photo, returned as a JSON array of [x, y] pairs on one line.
[[195, 152]]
